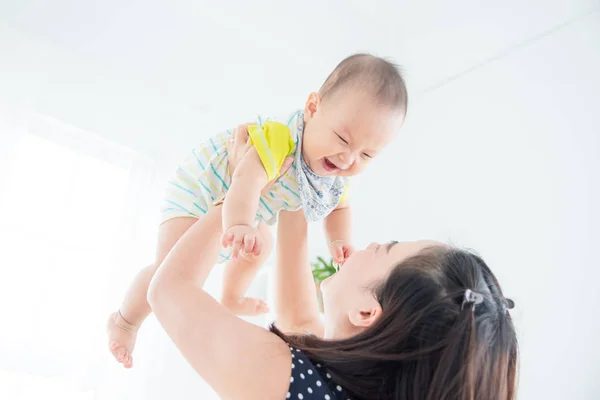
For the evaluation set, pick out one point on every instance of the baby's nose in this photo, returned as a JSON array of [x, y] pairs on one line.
[[347, 159]]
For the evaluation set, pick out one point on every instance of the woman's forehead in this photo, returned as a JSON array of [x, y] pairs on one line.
[[403, 250]]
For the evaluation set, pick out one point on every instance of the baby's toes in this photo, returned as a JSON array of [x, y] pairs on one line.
[[121, 354], [128, 362], [114, 350], [262, 307]]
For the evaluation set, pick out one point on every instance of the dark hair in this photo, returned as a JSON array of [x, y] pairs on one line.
[[376, 74], [427, 344]]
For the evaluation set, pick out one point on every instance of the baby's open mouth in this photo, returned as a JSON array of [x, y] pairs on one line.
[[329, 166]]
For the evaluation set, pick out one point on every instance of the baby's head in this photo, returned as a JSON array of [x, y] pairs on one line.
[[356, 113]]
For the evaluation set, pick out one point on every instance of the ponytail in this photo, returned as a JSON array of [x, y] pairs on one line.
[[464, 371], [436, 339]]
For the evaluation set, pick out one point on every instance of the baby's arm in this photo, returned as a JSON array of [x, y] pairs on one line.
[[241, 203], [338, 229]]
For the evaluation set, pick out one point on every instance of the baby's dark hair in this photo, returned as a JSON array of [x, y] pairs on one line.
[[375, 74]]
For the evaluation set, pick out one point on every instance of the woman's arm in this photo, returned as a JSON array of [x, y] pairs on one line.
[[237, 359], [296, 307]]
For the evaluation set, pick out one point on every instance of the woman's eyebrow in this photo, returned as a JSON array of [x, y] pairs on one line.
[[390, 245]]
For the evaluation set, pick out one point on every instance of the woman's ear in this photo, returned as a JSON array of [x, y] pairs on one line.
[[365, 317], [312, 103]]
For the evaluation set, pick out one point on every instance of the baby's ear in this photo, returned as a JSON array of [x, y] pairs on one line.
[[310, 108]]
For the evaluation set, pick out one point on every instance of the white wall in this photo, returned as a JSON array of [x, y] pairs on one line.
[[506, 160]]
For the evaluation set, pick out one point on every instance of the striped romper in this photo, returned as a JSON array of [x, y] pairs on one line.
[[203, 178]]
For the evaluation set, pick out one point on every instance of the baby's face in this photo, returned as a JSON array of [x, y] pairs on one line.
[[343, 133]]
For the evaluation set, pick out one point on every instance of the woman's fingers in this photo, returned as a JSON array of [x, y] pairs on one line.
[[237, 145], [241, 133], [287, 163]]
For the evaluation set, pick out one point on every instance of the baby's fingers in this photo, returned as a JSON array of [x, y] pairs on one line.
[[249, 241], [338, 254], [227, 240], [237, 246], [258, 246]]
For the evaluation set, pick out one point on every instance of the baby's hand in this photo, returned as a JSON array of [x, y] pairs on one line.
[[244, 239], [340, 251]]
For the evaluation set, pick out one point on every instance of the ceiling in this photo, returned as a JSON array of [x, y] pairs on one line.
[[136, 70]]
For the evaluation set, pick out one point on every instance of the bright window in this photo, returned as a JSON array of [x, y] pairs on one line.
[[60, 213]]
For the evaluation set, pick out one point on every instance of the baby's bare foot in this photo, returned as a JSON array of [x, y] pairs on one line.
[[246, 306], [121, 338]]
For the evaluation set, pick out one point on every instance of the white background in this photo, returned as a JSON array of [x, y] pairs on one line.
[[500, 153]]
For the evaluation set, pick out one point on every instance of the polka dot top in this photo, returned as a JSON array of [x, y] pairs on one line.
[[312, 381]]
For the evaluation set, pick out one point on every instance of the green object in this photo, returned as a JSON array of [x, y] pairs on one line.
[[322, 269]]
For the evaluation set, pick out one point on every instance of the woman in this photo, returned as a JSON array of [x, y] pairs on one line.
[[414, 320]]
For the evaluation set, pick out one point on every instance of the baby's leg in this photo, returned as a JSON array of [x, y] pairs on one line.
[[122, 325], [238, 276]]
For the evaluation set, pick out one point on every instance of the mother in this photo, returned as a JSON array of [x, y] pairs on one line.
[[418, 320]]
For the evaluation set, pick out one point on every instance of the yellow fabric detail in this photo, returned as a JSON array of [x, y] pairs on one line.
[[345, 194], [273, 144]]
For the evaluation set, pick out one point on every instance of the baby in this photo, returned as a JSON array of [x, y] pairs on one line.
[[356, 113]]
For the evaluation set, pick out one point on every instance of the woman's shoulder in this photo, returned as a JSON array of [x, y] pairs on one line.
[[311, 379]]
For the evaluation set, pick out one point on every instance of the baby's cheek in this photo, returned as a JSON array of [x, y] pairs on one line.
[[364, 164], [355, 169]]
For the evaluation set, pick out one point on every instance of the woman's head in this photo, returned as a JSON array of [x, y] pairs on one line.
[[400, 327], [350, 303]]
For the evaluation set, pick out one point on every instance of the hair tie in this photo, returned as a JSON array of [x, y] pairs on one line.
[[471, 298], [508, 304]]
